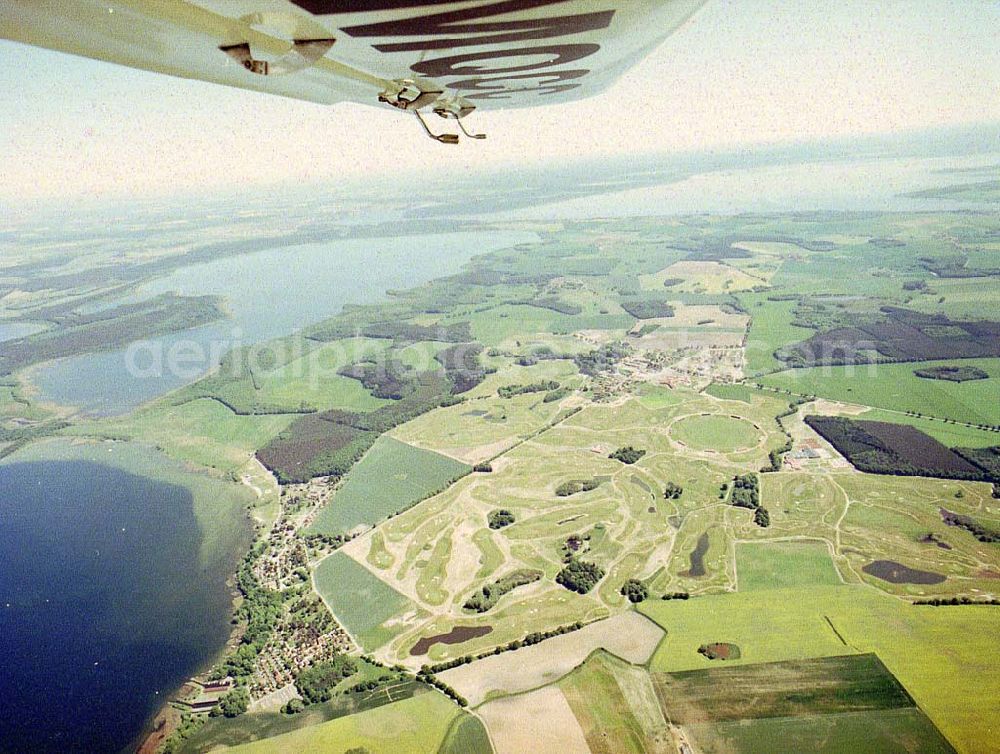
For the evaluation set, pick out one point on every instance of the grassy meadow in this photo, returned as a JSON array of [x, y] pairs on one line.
[[390, 478]]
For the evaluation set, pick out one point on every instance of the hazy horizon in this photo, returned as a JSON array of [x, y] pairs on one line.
[[734, 75]]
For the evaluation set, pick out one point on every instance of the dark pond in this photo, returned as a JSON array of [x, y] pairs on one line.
[[897, 573], [697, 557], [456, 636]]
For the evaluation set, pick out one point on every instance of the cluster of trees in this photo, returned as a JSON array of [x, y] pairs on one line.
[[316, 683], [746, 491], [483, 468], [330, 443], [407, 332], [542, 353], [18, 437], [602, 359], [260, 610], [552, 303], [987, 459], [233, 704], [556, 395], [330, 541], [509, 391], [647, 309], [896, 449], [573, 544], [635, 590], [461, 364], [672, 491], [390, 379], [490, 594], [775, 456], [628, 454], [937, 601], [574, 486], [373, 683], [443, 687], [499, 518], [746, 494], [580, 576], [976, 529], [676, 596], [952, 373]]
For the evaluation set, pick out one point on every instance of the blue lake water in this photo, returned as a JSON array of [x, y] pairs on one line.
[[105, 605], [268, 294]]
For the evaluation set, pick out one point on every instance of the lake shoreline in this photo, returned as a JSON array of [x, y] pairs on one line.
[[220, 556]]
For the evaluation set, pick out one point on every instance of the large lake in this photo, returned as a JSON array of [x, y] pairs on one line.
[[108, 600], [865, 184], [268, 294]]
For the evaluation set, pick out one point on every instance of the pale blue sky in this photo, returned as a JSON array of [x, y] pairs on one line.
[[739, 72]]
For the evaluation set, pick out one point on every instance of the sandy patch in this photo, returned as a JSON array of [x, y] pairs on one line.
[[540, 721], [472, 456], [464, 561], [274, 701], [630, 636], [637, 687], [695, 316]]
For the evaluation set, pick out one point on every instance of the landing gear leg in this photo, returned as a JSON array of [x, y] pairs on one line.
[[471, 136], [443, 138]]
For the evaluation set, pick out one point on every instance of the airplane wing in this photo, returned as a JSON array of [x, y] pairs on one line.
[[417, 55]]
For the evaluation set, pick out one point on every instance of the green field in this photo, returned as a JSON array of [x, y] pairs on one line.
[[964, 297], [895, 387], [313, 379], [412, 726], [770, 328], [467, 735], [308, 378], [655, 397], [219, 732], [602, 709], [894, 731], [776, 565], [483, 426], [390, 478], [360, 601], [795, 688], [733, 392], [948, 434], [936, 653], [203, 431], [723, 434], [510, 322]]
